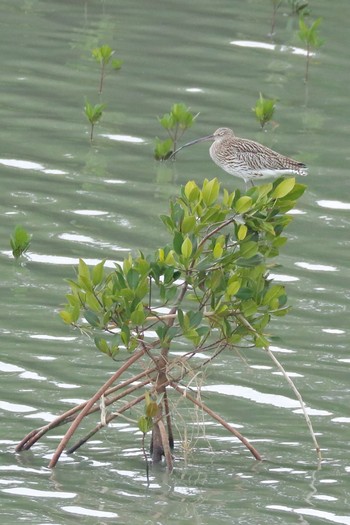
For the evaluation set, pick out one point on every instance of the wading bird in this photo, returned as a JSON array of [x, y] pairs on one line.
[[247, 159]]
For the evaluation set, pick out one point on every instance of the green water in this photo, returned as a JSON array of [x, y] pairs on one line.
[[103, 200]]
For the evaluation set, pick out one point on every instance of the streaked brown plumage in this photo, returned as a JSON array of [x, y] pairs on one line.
[[247, 159]]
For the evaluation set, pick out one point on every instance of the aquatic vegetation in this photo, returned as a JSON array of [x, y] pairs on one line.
[[94, 115], [207, 289], [176, 122], [308, 34], [19, 241], [264, 109], [275, 6], [103, 55]]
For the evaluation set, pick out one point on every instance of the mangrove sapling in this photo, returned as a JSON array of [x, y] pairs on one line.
[[175, 123], [208, 288], [275, 6], [308, 34], [93, 114], [19, 241], [104, 55], [264, 110]]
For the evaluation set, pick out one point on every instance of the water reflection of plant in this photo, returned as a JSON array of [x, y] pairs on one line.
[[208, 290]]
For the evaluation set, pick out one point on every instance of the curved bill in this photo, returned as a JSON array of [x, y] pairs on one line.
[[202, 139]]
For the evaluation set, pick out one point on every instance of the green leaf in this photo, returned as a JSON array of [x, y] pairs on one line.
[[218, 250], [243, 204], [92, 318], [261, 341], [97, 272], [210, 191], [138, 316], [248, 249], [178, 242], [273, 292], [249, 307], [125, 334], [133, 278], [195, 319], [233, 288], [251, 262], [186, 248], [102, 345], [283, 188], [83, 269], [145, 424], [188, 224], [242, 232], [191, 191], [151, 409], [66, 316]]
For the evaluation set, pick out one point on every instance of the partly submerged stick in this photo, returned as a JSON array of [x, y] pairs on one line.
[[291, 384]]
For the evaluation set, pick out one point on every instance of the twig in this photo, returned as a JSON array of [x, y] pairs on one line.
[[30, 439], [165, 443], [99, 425], [291, 384], [89, 404]]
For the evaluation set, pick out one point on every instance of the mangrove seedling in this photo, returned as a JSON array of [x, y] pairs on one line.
[[309, 36], [206, 292], [93, 114], [275, 5], [175, 123], [163, 149], [264, 109], [104, 55], [19, 241]]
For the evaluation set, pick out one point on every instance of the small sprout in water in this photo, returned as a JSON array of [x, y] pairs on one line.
[[308, 34], [104, 55], [163, 149], [20, 241], [264, 109], [175, 123], [275, 5], [93, 114]]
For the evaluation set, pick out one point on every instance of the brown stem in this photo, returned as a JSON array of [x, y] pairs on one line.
[[168, 420], [165, 443], [90, 403], [100, 425], [109, 418], [219, 419], [30, 439]]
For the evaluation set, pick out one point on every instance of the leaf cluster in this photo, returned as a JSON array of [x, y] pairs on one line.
[[104, 55], [209, 285], [19, 241], [264, 109], [309, 35], [176, 122], [93, 112]]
